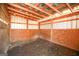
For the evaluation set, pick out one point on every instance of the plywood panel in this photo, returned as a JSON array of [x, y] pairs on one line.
[[34, 33], [68, 38], [19, 34], [45, 33], [22, 35], [65, 37]]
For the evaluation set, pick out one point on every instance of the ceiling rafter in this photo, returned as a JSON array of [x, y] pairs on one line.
[[17, 6], [64, 16], [20, 15], [50, 16], [32, 9], [30, 18], [25, 11], [57, 21], [49, 5], [10, 8], [25, 16], [53, 8], [38, 9], [16, 14], [36, 13], [69, 7], [19, 12], [68, 15]]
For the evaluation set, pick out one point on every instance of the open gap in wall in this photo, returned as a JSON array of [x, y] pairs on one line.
[[18, 23], [32, 24]]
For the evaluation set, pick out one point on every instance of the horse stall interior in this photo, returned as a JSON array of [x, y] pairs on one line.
[[39, 29]]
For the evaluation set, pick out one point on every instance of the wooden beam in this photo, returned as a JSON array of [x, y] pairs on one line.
[[21, 15], [64, 16], [38, 9], [18, 23], [25, 11], [14, 12], [69, 7], [33, 24], [50, 17], [18, 15], [12, 9], [27, 24], [39, 25], [59, 21], [70, 10], [49, 5], [17, 6], [47, 18], [24, 23], [53, 8], [40, 16]]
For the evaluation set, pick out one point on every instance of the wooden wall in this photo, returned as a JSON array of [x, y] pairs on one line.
[[45, 33], [4, 29], [23, 34], [68, 38], [65, 37]]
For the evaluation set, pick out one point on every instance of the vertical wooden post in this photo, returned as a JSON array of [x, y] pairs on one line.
[[39, 25], [27, 24], [51, 29], [39, 28], [76, 21], [9, 29], [71, 24]]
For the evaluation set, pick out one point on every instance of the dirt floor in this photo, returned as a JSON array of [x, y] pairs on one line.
[[41, 47]]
